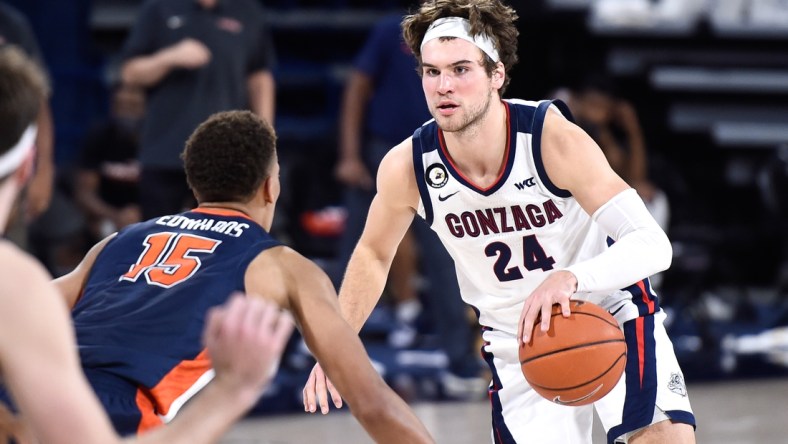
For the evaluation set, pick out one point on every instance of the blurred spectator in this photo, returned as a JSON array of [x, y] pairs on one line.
[[613, 123], [15, 29], [193, 58], [108, 176], [377, 114]]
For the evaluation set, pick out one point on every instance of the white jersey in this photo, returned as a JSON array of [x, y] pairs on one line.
[[507, 237]]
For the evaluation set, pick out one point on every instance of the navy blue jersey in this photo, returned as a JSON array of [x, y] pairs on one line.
[[142, 311]]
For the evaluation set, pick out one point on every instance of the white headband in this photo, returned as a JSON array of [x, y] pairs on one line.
[[11, 159], [460, 28]]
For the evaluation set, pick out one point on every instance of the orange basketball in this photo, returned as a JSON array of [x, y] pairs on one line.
[[579, 359]]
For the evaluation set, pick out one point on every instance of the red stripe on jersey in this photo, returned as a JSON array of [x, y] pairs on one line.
[[646, 297], [641, 341]]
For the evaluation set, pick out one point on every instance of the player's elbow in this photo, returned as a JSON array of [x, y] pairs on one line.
[[661, 250]]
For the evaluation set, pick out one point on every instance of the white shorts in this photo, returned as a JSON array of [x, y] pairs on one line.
[[651, 389]]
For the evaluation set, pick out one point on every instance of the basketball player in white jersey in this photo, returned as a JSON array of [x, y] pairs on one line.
[[533, 216]]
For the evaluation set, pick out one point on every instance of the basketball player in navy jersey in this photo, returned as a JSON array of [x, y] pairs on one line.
[[38, 362], [533, 215], [139, 297]]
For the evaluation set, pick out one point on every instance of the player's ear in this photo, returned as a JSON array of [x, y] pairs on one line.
[[25, 171], [498, 76], [269, 190]]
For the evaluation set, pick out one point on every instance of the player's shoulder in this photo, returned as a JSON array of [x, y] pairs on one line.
[[280, 259], [397, 164], [12, 258], [396, 181], [398, 159], [276, 272], [522, 102], [18, 268]]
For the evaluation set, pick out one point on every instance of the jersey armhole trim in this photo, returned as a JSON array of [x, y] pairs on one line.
[[418, 170], [536, 143]]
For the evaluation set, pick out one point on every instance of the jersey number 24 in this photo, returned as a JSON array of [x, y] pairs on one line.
[[534, 257]]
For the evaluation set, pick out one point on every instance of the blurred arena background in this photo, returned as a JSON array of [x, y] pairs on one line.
[[709, 81]]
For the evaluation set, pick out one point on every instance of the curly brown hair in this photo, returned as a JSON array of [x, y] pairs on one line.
[[23, 88], [228, 157], [489, 17]]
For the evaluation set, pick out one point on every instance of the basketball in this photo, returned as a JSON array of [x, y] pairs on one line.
[[579, 359]]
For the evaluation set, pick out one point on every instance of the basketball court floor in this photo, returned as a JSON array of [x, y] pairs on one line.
[[730, 412]]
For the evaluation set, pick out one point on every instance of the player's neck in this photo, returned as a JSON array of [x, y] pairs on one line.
[[479, 153], [256, 214]]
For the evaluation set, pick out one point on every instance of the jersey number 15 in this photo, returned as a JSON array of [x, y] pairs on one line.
[[168, 258]]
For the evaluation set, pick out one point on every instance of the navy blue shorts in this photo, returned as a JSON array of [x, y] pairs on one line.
[[118, 396]]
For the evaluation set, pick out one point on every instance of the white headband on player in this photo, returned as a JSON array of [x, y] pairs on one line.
[[11, 159], [460, 28]]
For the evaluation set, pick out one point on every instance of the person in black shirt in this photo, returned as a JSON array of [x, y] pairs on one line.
[[194, 58], [107, 182]]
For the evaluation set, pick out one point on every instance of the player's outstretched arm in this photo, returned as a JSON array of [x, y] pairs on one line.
[[390, 215], [389, 218], [311, 298]]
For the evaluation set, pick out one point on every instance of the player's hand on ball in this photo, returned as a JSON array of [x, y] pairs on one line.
[[245, 338], [316, 391], [557, 288]]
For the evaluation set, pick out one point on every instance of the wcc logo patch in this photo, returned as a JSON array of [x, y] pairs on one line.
[[436, 175], [676, 384], [527, 183]]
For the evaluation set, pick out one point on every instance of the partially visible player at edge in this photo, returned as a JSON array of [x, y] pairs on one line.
[[138, 297], [38, 363], [533, 215]]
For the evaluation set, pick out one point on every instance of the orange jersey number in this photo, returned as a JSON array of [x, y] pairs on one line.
[[168, 258]]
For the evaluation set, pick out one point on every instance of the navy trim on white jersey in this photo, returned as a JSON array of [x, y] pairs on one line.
[[418, 167], [539, 116]]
